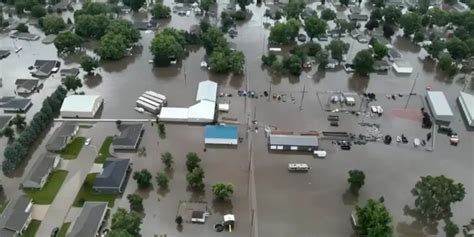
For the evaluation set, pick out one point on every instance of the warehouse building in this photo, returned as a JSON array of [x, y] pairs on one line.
[[439, 107], [81, 106], [277, 142], [221, 135], [467, 107]]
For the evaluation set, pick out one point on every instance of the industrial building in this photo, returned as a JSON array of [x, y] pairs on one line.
[[467, 107], [221, 135], [81, 106], [439, 107], [277, 142]]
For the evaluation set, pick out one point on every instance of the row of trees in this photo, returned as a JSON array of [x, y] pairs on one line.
[[16, 152]]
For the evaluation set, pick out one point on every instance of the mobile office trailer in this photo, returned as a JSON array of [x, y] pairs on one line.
[[154, 99], [156, 104], [157, 95], [147, 107]]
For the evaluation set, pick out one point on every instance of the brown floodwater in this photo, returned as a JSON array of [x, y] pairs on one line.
[[312, 204]]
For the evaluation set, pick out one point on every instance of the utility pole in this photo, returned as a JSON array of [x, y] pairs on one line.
[[411, 91], [185, 77], [302, 96]]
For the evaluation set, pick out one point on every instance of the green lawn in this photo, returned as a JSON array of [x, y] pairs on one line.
[[72, 149], [32, 228], [63, 230], [3, 204], [48, 192], [104, 151], [87, 194]]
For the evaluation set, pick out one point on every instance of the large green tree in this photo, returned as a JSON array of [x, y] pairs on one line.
[[392, 14], [222, 191], [243, 4], [438, 16], [136, 202], [435, 194], [457, 48], [164, 47], [446, 64], [195, 179], [126, 221], [143, 178], [338, 48], [167, 159], [88, 63], [380, 50], [410, 22], [91, 26], [67, 42], [135, 5], [53, 24], [9, 133], [364, 62], [435, 48], [206, 4], [450, 229], [192, 161], [162, 180], [356, 180], [112, 46], [38, 11], [374, 220], [126, 29], [328, 14], [19, 121], [72, 83], [315, 27], [161, 11], [344, 2], [294, 8]]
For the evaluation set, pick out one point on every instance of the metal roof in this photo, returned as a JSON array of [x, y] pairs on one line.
[[203, 110], [129, 134], [80, 103], [440, 106], [89, 221], [9, 102], [221, 132], [28, 84], [40, 169], [293, 140], [468, 104], [114, 170], [16, 214], [207, 90], [58, 140]]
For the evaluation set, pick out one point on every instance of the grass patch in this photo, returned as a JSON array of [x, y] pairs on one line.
[[104, 151], [63, 230], [3, 204], [32, 228], [72, 149], [87, 194], [48, 192]]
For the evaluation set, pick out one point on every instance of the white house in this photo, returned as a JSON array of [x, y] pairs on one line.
[[81, 106]]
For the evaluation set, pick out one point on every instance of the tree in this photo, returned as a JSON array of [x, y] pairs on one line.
[[38, 11], [323, 2], [356, 180], [135, 5], [126, 29], [161, 11], [450, 229], [67, 42], [91, 26], [89, 63], [19, 121], [213, 38], [438, 16], [372, 24], [22, 27], [410, 22], [237, 62], [9, 133], [344, 2], [162, 180], [164, 47], [126, 221], [167, 159], [380, 50], [435, 194], [457, 49], [119, 233], [419, 36], [72, 83], [343, 26], [112, 46], [278, 34], [323, 58], [392, 14], [328, 14], [435, 48], [143, 178], [378, 3], [338, 48], [314, 26], [136, 202], [388, 30], [364, 62], [293, 64], [243, 4], [294, 8], [192, 161], [222, 191], [93, 8], [178, 220], [374, 219], [313, 48], [205, 4], [53, 24], [376, 14], [195, 179]]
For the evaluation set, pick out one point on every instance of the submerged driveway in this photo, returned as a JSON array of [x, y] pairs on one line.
[[58, 210]]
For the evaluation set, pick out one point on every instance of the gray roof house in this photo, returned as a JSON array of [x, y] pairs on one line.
[[69, 72], [4, 53], [62, 136], [113, 177], [41, 169], [26, 86], [16, 217], [394, 54], [129, 137], [89, 222], [11, 104], [4, 121], [278, 142], [44, 68]]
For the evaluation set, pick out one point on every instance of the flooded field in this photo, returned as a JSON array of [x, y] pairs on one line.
[[284, 204]]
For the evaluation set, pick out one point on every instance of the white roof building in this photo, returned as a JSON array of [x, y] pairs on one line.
[[81, 106], [202, 112], [207, 90], [402, 67], [439, 106], [467, 104], [174, 114]]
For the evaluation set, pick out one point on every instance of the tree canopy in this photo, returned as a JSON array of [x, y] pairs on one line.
[[126, 29], [128, 222], [294, 8], [195, 179], [284, 33], [67, 42], [363, 62], [91, 26], [72, 83], [457, 49], [356, 180], [380, 50], [192, 161], [161, 11], [136, 202], [222, 191], [374, 220], [315, 27], [338, 48], [53, 24], [143, 178], [392, 14], [164, 47], [328, 14], [112, 46], [411, 23], [89, 63]]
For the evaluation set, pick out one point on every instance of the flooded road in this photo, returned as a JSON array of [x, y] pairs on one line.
[[309, 204]]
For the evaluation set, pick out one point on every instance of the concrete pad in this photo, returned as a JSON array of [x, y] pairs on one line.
[[39, 211], [96, 168], [63, 165]]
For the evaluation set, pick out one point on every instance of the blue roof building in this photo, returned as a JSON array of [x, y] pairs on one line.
[[221, 134]]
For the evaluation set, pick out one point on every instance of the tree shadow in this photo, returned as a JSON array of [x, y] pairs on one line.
[[179, 228], [145, 192], [92, 80], [163, 191], [196, 195], [236, 81], [358, 83], [319, 75], [349, 199], [421, 226], [222, 206]]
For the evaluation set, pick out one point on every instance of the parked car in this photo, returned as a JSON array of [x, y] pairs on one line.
[[88, 141], [320, 154]]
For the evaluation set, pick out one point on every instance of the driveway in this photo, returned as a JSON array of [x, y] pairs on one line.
[[39, 211]]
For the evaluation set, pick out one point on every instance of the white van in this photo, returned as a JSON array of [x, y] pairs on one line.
[[320, 154], [298, 167]]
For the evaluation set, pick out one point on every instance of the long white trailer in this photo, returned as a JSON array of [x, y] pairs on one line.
[[156, 104], [152, 98], [157, 95], [147, 107]]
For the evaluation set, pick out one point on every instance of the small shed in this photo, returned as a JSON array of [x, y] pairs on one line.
[[403, 67], [439, 107], [221, 135]]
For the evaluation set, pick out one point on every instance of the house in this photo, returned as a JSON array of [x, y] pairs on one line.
[[38, 175], [62, 136], [24, 36], [129, 137], [44, 68], [5, 121], [90, 220], [394, 55], [379, 39], [358, 17], [439, 107], [221, 134], [277, 142], [382, 65], [4, 53], [207, 90], [467, 107], [402, 67], [81, 106], [26, 86], [16, 217], [73, 72], [11, 104], [113, 177]]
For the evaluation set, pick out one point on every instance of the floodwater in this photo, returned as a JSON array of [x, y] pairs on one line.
[[311, 204]]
